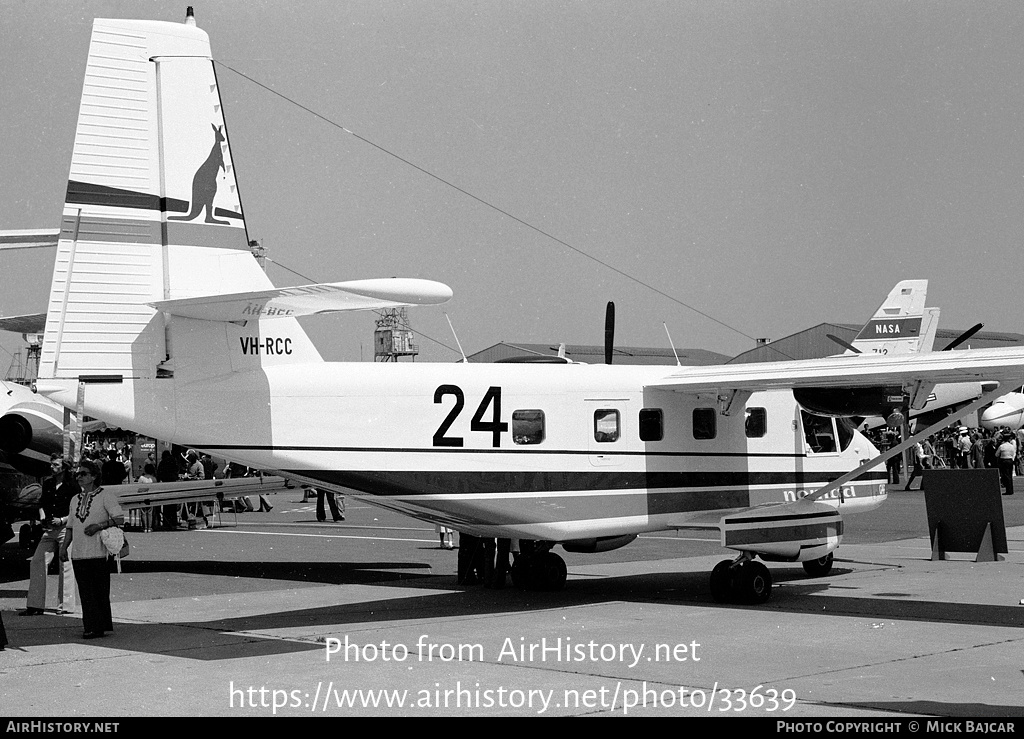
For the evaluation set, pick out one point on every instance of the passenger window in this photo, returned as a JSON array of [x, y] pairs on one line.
[[652, 425], [756, 423], [819, 433], [606, 425], [527, 427], [704, 423]]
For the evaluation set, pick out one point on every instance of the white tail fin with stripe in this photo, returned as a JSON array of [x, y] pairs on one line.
[[901, 325], [153, 235], [152, 209]]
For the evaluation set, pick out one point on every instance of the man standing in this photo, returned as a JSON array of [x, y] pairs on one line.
[[321, 513], [963, 449], [167, 471], [113, 472], [918, 461], [1006, 453], [58, 490]]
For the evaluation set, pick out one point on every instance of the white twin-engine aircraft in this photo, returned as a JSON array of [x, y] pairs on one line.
[[161, 321]]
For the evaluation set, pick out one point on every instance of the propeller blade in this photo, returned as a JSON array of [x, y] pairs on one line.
[[964, 336], [844, 344], [609, 331]]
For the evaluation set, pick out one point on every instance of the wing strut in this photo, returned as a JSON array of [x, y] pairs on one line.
[[898, 449]]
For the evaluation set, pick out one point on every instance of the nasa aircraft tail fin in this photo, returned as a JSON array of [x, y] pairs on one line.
[[901, 325], [153, 276]]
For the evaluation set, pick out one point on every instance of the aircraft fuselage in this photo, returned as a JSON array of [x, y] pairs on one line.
[[554, 452]]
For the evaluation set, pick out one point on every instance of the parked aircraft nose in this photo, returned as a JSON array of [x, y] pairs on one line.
[[32, 426], [1004, 413]]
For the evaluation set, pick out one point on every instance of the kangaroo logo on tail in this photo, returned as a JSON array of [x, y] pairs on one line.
[[204, 183]]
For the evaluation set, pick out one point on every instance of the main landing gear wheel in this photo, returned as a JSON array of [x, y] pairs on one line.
[[819, 567], [721, 581], [539, 571], [746, 581], [753, 583]]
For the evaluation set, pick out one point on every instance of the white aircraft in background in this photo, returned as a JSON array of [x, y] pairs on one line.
[[1006, 411], [160, 320], [31, 426], [31, 429]]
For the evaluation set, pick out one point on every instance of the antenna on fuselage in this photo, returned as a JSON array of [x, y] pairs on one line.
[[671, 344], [464, 359]]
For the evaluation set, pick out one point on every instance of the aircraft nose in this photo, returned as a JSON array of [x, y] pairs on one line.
[[1000, 414]]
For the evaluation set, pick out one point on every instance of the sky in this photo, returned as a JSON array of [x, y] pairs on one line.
[[733, 170]]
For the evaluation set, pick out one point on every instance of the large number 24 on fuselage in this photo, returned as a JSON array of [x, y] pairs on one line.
[[491, 399]]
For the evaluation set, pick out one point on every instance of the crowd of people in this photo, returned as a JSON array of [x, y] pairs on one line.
[[957, 447]]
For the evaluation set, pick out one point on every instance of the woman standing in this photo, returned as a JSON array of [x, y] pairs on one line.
[[92, 510]]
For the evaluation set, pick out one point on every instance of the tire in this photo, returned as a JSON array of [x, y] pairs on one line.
[[722, 581], [549, 571], [819, 567], [754, 583]]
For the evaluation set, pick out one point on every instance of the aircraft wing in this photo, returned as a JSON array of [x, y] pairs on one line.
[[32, 323], [29, 238], [1003, 365], [305, 300]]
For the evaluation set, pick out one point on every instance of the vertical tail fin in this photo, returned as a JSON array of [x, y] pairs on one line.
[[152, 213], [896, 327]]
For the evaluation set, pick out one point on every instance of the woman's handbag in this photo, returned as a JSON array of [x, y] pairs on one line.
[[115, 543]]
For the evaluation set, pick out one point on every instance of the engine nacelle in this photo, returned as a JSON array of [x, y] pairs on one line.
[[599, 544], [844, 402], [29, 433], [15, 433], [791, 532]]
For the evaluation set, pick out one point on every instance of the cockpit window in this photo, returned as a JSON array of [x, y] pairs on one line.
[[819, 433], [846, 430]]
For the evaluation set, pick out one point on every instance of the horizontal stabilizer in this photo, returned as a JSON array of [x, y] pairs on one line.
[[305, 300]]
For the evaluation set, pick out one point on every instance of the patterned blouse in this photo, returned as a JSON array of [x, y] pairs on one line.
[[98, 506]]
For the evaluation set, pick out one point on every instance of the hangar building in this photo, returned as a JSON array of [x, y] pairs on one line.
[[810, 343]]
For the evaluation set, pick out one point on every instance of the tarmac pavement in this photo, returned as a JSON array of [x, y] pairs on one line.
[[280, 615]]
